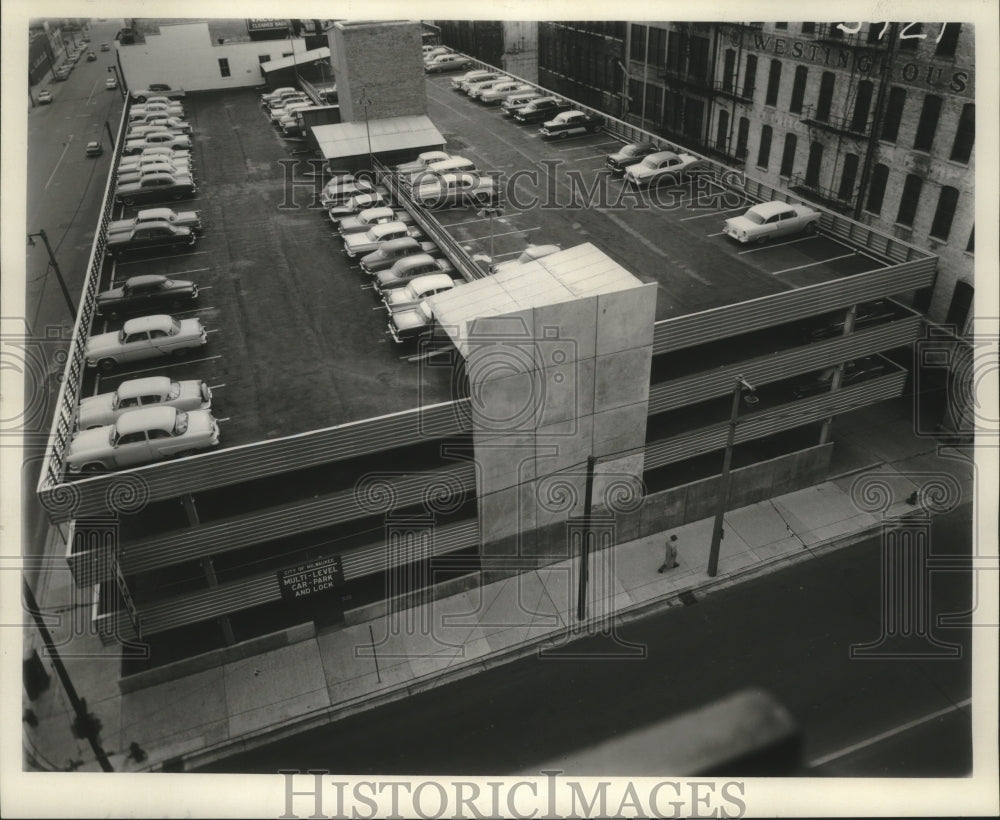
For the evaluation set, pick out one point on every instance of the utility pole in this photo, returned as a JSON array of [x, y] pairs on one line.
[[84, 720], [581, 601], [55, 267]]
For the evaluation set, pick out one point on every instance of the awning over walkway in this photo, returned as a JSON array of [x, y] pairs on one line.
[[304, 58], [350, 139]]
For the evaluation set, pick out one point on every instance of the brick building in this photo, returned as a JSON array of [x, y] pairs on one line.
[[874, 120]]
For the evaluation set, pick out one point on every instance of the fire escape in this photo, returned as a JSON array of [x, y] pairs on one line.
[[688, 73]]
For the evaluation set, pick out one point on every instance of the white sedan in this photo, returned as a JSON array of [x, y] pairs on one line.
[[146, 337], [136, 394], [141, 437], [663, 166], [770, 219]]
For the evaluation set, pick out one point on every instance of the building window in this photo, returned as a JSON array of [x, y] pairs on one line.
[[849, 175], [962, 299], [798, 89], [722, 131], [909, 200], [788, 155], [675, 52], [814, 164], [808, 28], [773, 82], [694, 114], [657, 46], [637, 50], [750, 77], [875, 32], [929, 115], [698, 57], [909, 36], [764, 151], [264, 58], [893, 113], [654, 103], [223, 67], [949, 40], [742, 137], [965, 136], [862, 105], [782, 26], [970, 246], [728, 69], [825, 96], [876, 191], [945, 213]]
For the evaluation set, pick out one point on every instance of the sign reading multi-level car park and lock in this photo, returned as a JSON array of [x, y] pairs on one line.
[[311, 578]]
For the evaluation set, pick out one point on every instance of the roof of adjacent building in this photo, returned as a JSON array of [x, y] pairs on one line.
[[304, 57], [575, 273], [350, 139]]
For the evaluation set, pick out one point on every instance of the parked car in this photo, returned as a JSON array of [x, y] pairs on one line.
[[421, 162], [472, 89], [156, 90], [149, 292], [771, 219], [146, 337], [45, 96], [455, 165], [627, 155], [91, 57], [337, 194], [390, 252], [155, 165], [449, 190], [61, 74], [866, 315], [142, 131], [515, 102], [447, 62], [94, 149], [179, 219], [411, 325], [415, 291], [141, 437], [501, 91], [354, 205], [370, 217], [110, 83], [278, 114], [174, 142], [160, 153], [155, 188], [663, 166], [149, 236], [542, 109], [165, 109], [570, 124], [278, 93], [854, 372], [134, 394], [407, 268], [472, 76], [105, 47], [362, 243], [175, 124], [430, 52]]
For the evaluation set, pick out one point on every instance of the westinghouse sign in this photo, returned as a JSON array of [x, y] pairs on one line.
[[316, 795]]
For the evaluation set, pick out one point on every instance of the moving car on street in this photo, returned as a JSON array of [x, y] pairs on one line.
[[94, 149], [141, 437], [147, 337], [45, 96], [134, 394], [771, 219], [149, 292], [110, 83], [570, 124], [663, 166]]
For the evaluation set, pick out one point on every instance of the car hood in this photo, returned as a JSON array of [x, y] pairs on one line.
[[87, 442], [96, 410], [101, 342], [396, 297]]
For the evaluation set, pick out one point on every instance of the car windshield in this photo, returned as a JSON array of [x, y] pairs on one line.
[[754, 217], [174, 391], [181, 424]]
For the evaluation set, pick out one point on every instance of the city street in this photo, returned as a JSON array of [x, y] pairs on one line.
[[788, 632]]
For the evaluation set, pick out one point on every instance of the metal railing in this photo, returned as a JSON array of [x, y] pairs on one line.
[[836, 123]]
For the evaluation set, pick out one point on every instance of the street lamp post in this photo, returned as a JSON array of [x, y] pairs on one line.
[[491, 212], [55, 267], [723, 494]]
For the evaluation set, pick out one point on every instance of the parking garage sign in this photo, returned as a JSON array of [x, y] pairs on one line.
[[312, 578]]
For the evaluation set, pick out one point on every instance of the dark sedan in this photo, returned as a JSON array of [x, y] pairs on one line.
[[146, 294], [149, 236], [629, 155], [156, 188]]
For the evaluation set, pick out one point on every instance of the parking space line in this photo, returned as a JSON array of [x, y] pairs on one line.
[[592, 156], [169, 363], [216, 386], [813, 264], [190, 270], [882, 263], [158, 258], [714, 213], [779, 245], [584, 147], [508, 233], [720, 233], [502, 255], [481, 219]]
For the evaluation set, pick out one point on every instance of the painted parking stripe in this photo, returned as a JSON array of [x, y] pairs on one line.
[[714, 213], [482, 219], [146, 259], [585, 147], [813, 264], [497, 235], [882, 263], [168, 363], [190, 270], [720, 233], [592, 156], [778, 245]]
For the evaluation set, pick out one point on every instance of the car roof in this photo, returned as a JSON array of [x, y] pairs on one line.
[[767, 209], [152, 214], [387, 227], [430, 281], [413, 261], [143, 387], [159, 321], [161, 418], [145, 279], [448, 164], [663, 155], [374, 213], [399, 242]]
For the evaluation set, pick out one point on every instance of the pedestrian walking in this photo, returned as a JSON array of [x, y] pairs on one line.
[[670, 555]]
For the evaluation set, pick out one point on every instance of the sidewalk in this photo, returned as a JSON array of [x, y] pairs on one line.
[[334, 672]]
